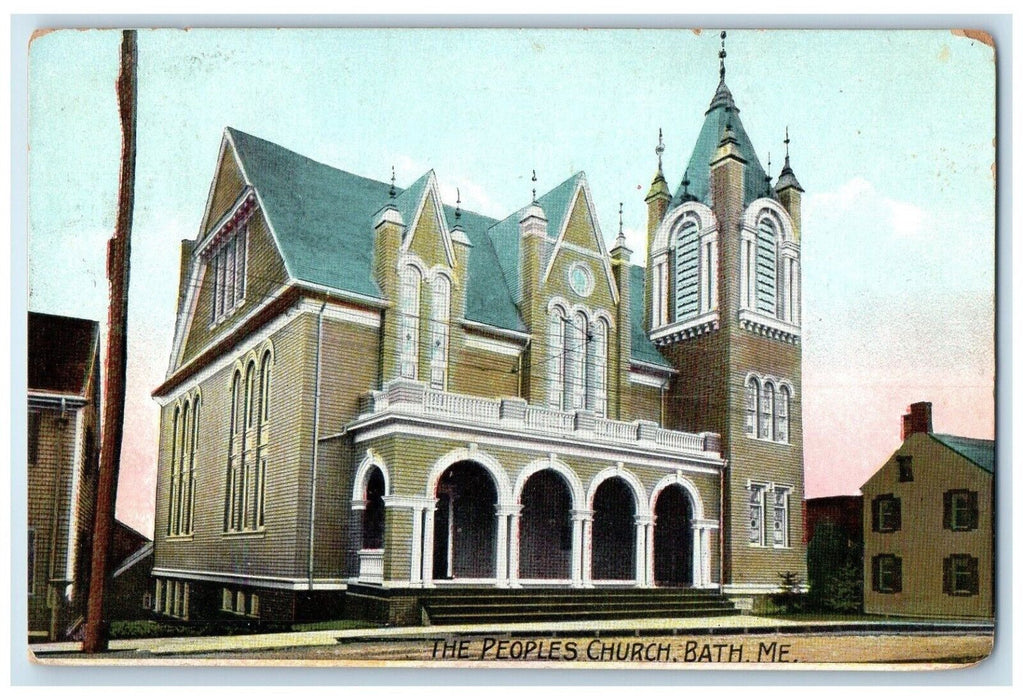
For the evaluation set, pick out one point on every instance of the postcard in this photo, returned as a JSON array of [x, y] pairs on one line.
[[469, 348]]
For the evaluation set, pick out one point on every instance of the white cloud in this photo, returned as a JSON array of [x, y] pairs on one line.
[[859, 196]]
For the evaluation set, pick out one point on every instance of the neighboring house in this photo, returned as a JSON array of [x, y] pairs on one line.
[[929, 525], [131, 593], [844, 512], [63, 462], [372, 390]]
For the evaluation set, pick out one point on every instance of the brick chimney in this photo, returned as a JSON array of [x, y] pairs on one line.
[[918, 420]]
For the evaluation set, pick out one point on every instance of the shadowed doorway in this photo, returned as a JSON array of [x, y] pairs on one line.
[[673, 538], [545, 528], [614, 531], [464, 544]]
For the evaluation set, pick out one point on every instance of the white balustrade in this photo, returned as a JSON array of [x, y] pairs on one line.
[[410, 397]]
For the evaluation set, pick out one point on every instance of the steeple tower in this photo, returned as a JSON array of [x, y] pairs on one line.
[[723, 283], [657, 201], [790, 192]]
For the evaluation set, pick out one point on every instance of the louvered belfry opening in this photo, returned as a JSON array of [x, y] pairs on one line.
[[673, 538], [545, 529], [614, 532], [465, 523]]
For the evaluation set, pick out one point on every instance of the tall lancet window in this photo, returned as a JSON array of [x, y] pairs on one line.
[[687, 271], [556, 358], [781, 415], [596, 367], [766, 411], [752, 405], [409, 326], [440, 311], [767, 268], [576, 340]]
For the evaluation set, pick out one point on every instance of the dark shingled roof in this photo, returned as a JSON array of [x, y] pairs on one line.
[[722, 112], [62, 352], [323, 220], [980, 452]]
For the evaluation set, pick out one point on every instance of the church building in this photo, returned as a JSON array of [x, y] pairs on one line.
[[375, 396]]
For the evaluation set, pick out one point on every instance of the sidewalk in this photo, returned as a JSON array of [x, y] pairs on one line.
[[737, 624]]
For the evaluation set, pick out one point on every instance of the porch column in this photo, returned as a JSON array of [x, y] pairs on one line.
[[705, 550], [416, 575], [580, 547], [515, 515], [501, 574], [586, 546], [427, 535], [649, 580], [697, 555], [642, 522]]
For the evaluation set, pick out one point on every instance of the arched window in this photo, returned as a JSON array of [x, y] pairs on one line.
[[232, 509], [752, 405], [189, 497], [373, 515], [556, 358], [263, 437], [781, 415], [596, 367], [766, 274], [440, 311], [576, 342], [687, 270], [175, 456], [766, 411], [411, 280]]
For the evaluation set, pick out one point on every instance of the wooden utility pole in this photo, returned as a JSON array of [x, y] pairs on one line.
[[118, 257]]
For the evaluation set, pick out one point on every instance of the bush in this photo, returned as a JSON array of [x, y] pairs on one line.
[[792, 599], [835, 569]]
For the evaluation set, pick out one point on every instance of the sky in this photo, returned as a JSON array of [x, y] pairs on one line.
[[892, 137]]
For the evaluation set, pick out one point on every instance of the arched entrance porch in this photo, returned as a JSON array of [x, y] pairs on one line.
[[673, 538], [465, 523]]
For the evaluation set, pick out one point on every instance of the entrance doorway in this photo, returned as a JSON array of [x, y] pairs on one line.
[[545, 528], [464, 542], [614, 531], [673, 538]]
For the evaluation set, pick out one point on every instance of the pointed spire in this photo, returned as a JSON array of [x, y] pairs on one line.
[[687, 196], [621, 229], [392, 192], [787, 178], [660, 148], [458, 204], [722, 54], [767, 177], [620, 248], [534, 186]]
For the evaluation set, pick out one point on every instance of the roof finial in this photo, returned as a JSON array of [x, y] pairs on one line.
[[534, 185], [620, 229], [660, 147], [392, 193], [685, 182], [786, 146], [722, 54], [458, 204]]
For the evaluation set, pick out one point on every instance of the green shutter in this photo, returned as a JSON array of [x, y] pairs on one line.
[[974, 511], [947, 518], [897, 576], [947, 569], [875, 572], [897, 518], [875, 516], [973, 568]]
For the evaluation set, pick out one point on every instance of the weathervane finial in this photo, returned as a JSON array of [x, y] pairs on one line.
[[786, 145], [660, 147], [392, 193], [722, 54], [534, 185], [458, 204]]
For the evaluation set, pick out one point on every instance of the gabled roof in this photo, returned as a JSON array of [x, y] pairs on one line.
[[62, 353], [556, 206], [322, 220], [322, 216], [722, 111], [643, 348], [980, 452]]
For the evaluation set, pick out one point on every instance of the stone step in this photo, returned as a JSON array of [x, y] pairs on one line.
[[471, 617]]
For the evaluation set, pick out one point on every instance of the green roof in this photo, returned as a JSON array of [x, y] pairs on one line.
[[322, 217], [505, 233], [722, 112], [980, 452], [643, 348], [323, 220]]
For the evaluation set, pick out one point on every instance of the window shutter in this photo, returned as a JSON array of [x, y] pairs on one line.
[[897, 576], [972, 567], [947, 518], [875, 571], [875, 516], [947, 584], [897, 517], [974, 512]]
